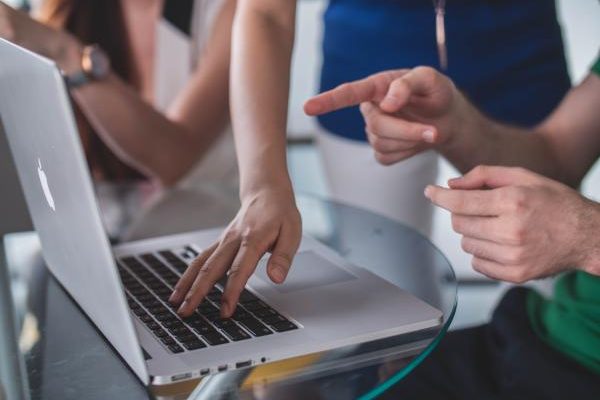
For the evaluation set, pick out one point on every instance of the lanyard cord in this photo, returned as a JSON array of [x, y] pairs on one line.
[[440, 32]]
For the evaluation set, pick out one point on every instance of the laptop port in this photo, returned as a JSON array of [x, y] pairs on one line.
[[222, 368], [243, 364], [181, 377]]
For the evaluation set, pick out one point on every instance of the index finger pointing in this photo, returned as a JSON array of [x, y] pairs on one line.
[[372, 88], [465, 202]]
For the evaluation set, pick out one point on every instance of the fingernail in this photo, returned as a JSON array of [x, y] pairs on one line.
[[175, 296], [182, 308], [225, 310], [428, 191], [429, 136], [278, 273], [391, 101]]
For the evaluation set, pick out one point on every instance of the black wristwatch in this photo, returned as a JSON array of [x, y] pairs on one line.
[[95, 66]]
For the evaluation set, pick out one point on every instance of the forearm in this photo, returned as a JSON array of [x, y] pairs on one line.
[[476, 139], [149, 141], [260, 75]]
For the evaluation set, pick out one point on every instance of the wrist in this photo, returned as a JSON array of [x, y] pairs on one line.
[[67, 53], [462, 119], [253, 186]]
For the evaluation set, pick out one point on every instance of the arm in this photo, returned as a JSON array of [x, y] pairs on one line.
[[268, 220], [409, 111], [519, 225], [140, 135]]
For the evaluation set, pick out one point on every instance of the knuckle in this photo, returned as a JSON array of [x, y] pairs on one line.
[[518, 276], [515, 256], [467, 245], [381, 158], [518, 234], [476, 263], [204, 268], [427, 73], [231, 235], [479, 170]]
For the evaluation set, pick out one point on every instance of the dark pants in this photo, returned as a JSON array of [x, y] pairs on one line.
[[500, 360]]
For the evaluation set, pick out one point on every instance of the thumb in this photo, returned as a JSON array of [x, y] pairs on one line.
[[282, 255], [420, 81]]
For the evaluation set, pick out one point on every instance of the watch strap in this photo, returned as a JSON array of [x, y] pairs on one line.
[[76, 79]]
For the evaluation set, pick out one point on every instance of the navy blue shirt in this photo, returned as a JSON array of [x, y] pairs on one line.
[[506, 55]]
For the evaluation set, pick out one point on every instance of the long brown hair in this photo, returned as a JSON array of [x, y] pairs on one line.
[[97, 22]]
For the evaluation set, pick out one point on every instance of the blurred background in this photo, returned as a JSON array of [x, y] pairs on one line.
[[477, 295]]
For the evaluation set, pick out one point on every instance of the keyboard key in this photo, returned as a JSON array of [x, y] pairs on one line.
[[273, 319], [139, 311], [255, 305], [179, 265], [175, 348], [215, 295], [194, 345], [246, 296], [160, 333], [153, 325], [204, 329], [180, 331], [173, 324], [157, 309], [255, 327], [191, 251], [212, 317], [145, 318], [207, 308], [164, 317], [283, 326], [224, 323], [215, 338], [168, 255], [167, 340], [240, 314], [264, 313], [187, 338], [236, 333]]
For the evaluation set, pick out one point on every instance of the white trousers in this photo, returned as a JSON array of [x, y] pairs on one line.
[[354, 177]]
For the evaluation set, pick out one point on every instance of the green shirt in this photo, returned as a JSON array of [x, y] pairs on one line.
[[570, 322]]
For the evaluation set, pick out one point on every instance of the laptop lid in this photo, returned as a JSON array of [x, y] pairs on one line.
[[43, 138]]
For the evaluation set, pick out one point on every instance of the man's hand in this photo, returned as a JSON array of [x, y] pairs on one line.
[[405, 111], [267, 222], [519, 225], [18, 27]]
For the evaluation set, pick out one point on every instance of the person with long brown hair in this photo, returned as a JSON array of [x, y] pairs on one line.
[[149, 79]]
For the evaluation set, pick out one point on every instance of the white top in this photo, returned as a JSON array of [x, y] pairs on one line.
[[181, 37]]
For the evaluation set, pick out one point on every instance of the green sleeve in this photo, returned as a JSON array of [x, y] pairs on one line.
[[596, 67]]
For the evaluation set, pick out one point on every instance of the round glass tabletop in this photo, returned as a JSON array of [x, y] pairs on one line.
[[66, 357]]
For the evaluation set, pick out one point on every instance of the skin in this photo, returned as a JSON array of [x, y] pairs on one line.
[[517, 224], [268, 221], [140, 135]]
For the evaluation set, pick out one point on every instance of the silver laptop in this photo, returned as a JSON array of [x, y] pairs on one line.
[[325, 303]]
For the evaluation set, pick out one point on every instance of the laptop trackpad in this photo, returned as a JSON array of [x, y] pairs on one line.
[[309, 270]]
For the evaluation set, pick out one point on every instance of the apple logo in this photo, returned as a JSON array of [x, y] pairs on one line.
[[45, 187]]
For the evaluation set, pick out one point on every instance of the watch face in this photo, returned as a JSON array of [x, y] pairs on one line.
[[95, 62]]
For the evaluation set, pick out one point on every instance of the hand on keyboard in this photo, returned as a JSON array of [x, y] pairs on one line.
[[267, 222]]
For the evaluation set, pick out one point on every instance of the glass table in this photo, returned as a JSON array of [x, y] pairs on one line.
[[52, 351]]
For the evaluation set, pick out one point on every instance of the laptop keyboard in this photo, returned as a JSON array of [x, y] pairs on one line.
[[149, 280]]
